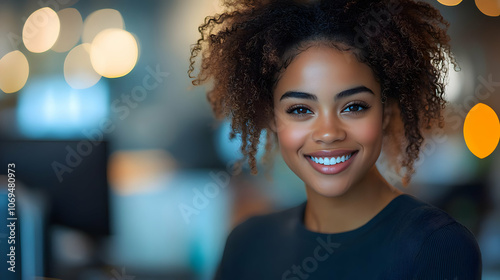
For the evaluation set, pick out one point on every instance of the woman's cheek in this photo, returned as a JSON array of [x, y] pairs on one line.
[[292, 136], [369, 132]]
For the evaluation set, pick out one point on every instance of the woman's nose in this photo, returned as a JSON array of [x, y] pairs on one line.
[[328, 129]]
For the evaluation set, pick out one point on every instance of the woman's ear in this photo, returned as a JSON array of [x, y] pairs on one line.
[[388, 111], [272, 124]]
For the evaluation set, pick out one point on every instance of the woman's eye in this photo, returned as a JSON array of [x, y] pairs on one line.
[[299, 111], [354, 108]]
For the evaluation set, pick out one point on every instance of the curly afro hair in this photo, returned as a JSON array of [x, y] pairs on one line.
[[245, 48]]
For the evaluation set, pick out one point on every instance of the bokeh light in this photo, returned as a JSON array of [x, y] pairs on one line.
[[187, 32], [49, 108], [14, 72], [454, 85], [460, 81], [71, 29], [127, 169], [99, 21], [41, 30], [450, 2], [489, 7], [217, 7], [481, 130], [114, 53], [78, 70], [229, 150]]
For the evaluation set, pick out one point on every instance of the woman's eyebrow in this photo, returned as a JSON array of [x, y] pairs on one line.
[[342, 94]]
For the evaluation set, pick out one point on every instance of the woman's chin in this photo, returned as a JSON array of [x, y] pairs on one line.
[[329, 190]]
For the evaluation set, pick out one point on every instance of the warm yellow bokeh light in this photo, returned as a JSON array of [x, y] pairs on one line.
[[14, 72], [41, 30], [449, 2], [78, 70], [482, 130], [218, 7], [114, 53], [99, 21], [489, 7], [71, 29], [128, 170]]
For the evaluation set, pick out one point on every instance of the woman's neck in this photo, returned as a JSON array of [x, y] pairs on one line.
[[352, 209]]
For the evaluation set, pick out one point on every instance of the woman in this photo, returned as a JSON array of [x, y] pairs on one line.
[[333, 83]]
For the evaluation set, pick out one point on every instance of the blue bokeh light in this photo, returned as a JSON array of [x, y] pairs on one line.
[[49, 108]]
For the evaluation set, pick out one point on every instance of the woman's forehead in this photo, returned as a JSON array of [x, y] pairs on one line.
[[322, 66]]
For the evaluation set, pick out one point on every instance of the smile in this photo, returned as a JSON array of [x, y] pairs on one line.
[[331, 165], [332, 160]]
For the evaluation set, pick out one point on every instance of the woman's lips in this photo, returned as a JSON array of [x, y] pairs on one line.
[[335, 168]]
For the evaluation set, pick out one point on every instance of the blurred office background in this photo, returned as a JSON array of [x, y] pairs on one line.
[[121, 170]]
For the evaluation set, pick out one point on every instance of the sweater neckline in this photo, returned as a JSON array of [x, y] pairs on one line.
[[386, 211]]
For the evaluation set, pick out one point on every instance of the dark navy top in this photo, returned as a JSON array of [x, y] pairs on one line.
[[408, 239]]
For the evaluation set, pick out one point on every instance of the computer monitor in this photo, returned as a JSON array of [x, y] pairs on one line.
[[70, 174]]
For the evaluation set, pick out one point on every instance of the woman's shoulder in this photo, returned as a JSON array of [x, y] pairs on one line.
[[422, 221], [437, 243], [423, 218], [450, 251]]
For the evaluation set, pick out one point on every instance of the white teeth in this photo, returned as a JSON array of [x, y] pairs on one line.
[[332, 160]]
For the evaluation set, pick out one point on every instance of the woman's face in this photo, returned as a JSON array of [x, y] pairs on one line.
[[328, 119]]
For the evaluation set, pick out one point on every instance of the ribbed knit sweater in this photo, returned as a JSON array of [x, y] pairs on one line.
[[408, 239]]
